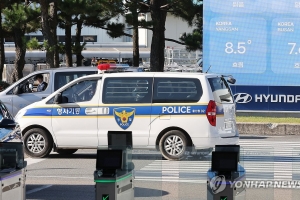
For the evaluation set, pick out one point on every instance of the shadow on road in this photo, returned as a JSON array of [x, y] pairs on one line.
[[146, 192], [79, 192], [62, 192], [73, 156], [253, 137]]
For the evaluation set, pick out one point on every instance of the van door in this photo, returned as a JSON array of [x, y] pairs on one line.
[[226, 118], [74, 120], [29, 95], [126, 106]]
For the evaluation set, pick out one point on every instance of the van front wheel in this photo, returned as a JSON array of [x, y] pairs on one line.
[[38, 143], [173, 145]]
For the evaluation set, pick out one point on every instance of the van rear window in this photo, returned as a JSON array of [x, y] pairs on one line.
[[220, 89], [176, 90]]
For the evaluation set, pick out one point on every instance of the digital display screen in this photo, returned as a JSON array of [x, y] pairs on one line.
[[257, 41], [224, 161], [119, 139], [228, 148], [109, 159]]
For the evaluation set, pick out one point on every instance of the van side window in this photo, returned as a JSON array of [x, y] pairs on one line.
[[62, 78], [176, 90], [221, 90], [127, 90], [80, 92]]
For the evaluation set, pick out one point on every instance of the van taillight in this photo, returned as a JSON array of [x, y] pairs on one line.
[[211, 112]]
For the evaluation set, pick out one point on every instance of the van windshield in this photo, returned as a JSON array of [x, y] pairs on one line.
[[221, 90], [11, 156]]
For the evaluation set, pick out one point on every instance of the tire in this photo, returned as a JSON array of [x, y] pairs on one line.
[[66, 151], [179, 144], [38, 143]]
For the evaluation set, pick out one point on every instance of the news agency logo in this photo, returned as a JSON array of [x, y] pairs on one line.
[[217, 184], [242, 98]]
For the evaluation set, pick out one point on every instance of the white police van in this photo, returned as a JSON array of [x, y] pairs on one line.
[[170, 110]]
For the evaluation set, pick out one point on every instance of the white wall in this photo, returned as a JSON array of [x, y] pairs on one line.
[[174, 27]]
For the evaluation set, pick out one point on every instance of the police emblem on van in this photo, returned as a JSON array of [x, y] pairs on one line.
[[124, 116]]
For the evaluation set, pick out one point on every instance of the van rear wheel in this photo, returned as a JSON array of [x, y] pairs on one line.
[[66, 151], [38, 143], [173, 145]]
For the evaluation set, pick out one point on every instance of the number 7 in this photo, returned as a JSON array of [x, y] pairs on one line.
[[293, 47]]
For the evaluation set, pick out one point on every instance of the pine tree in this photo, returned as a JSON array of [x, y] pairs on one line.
[[3, 33], [184, 9], [194, 40], [18, 19], [2, 54], [158, 9], [91, 13], [49, 30]]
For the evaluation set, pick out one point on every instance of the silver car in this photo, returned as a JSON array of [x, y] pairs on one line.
[[27, 90]]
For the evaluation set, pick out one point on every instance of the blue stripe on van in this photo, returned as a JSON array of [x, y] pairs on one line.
[[139, 110], [39, 112]]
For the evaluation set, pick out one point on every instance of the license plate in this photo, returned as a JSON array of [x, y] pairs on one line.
[[228, 125]]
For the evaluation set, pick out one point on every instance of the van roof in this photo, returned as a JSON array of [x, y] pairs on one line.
[[89, 68], [147, 74]]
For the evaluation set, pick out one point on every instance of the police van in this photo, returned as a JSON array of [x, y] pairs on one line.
[[166, 110]]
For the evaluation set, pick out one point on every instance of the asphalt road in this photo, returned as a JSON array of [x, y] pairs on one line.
[[71, 178]]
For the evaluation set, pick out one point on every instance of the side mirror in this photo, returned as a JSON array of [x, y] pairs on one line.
[[57, 98], [7, 123], [231, 80], [30, 86], [16, 90]]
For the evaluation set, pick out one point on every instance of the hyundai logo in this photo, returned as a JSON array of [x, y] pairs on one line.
[[242, 98]]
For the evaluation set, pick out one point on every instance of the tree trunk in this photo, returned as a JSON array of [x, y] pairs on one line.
[[2, 54], [157, 57], [46, 30], [53, 27], [135, 38], [20, 54], [79, 56], [68, 42]]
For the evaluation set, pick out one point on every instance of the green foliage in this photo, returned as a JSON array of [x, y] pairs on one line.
[[3, 85], [33, 44], [18, 15], [61, 48], [115, 30], [78, 48], [184, 9], [268, 119], [193, 41]]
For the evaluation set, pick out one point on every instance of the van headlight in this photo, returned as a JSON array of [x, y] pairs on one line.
[[20, 114]]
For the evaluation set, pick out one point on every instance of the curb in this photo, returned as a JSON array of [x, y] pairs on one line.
[[268, 129]]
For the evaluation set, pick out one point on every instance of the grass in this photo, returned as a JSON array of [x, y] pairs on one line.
[[286, 120]]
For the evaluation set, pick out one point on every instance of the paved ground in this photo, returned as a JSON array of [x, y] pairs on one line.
[[71, 178]]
